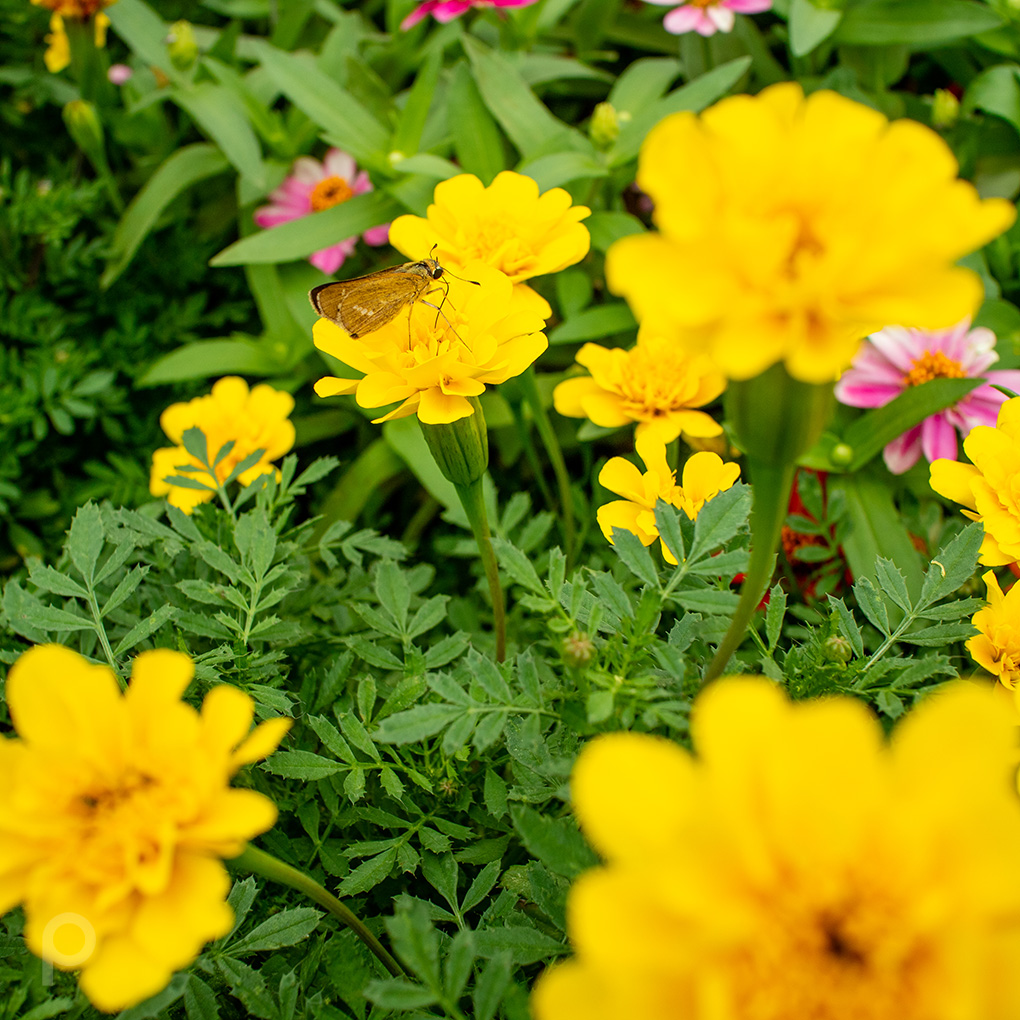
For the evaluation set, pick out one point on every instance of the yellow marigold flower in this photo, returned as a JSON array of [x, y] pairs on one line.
[[656, 384], [435, 357], [255, 420], [506, 225], [78, 9], [798, 867], [997, 647], [115, 811], [705, 475], [58, 46], [790, 228], [987, 487]]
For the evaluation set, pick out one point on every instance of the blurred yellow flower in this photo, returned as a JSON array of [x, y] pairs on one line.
[[58, 46], [997, 647], [78, 9], [115, 811], [790, 228], [436, 357], [506, 225], [655, 383], [255, 420], [988, 487], [798, 867], [705, 475]]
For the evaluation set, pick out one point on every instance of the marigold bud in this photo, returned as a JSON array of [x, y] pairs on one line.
[[604, 127], [182, 45], [945, 109], [84, 127], [578, 649], [837, 649]]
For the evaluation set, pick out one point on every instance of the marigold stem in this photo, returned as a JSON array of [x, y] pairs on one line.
[[473, 501], [260, 863], [772, 485], [529, 387]]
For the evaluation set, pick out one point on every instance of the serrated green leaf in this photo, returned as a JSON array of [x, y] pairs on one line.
[[286, 928], [85, 540], [303, 765], [418, 723], [368, 874]]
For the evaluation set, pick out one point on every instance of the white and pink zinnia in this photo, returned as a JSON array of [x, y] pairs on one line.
[[446, 10], [706, 17], [894, 358], [312, 187]]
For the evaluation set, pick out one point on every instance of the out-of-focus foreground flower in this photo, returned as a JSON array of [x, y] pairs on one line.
[[446, 10], [894, 359], [997, 646], [506, 225], [704, 475], [655, 384], [790, 227], [255, 420], [435, 356], [988, 487], [798, 867], [115, 811], [313, 186], [706, 17]]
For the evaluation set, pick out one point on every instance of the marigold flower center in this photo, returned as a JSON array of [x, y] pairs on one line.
[[329, 192], [933, 366], [655, 380]]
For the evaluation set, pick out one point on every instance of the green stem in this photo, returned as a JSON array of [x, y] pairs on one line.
[[474, 506], [772, 485], [529, 387], [260, 863]]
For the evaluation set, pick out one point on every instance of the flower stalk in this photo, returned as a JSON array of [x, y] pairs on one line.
[[260, 863]]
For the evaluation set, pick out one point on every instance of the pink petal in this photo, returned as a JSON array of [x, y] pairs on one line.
[[306, 171], [419, 14], [748, 6], [339, 164], [1008, 377], [682, 19], [865, 394], [361, 183], [329, 260], [513, 3], [938, 438], [721, 18], [447, 10], [377, 235], [273, 215], [903, 452], [900, 346]]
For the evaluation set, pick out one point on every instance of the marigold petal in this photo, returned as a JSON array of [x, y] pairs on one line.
[[954, 480], [568, 396], [227, 713], [262, 742], [623, 515], [231, 819], [438, 408], [567, 991], [632, 794], [623, 477], [414, 237], [332, 386], [121, 975], [604, 409]]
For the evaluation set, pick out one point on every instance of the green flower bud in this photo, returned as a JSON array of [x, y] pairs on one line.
[[837, 649], [842, 455], [945, 109], [578, 649], [604, 127], [182, 46], [461, 447], [84, 127]]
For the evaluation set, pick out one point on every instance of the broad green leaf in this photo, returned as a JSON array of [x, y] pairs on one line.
[[559, 168], [556, 842], [810, 26], [643, 82], [220, 115], [696, 95], [399, 994], [873, 430], [528, 945], [407, 137], [187, 166], [416, 723], [607, 227], [996, 91], [477, 140], [138, 25], [594, 324], [918, 23], [286, 928], [525, 119], [346, 123], [300, 238]]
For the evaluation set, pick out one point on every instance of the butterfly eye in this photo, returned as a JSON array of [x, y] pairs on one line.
[[437, 272]]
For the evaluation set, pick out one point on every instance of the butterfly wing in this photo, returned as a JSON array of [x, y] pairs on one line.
[[367, 303]]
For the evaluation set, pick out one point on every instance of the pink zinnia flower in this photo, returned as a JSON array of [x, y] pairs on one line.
[[313, 186], [447, 10], [706, 17], [894, 358]]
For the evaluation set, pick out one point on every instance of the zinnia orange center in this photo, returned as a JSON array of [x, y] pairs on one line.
[[329, 192], [933, 366]]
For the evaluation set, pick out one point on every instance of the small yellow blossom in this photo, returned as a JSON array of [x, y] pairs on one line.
[[436, 356], [255, 420], [656, 383], [705, 475], [798, 867], [58, 46], [115, 811], [506, 225], [997, 647], [790, 228], [989, 487]]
